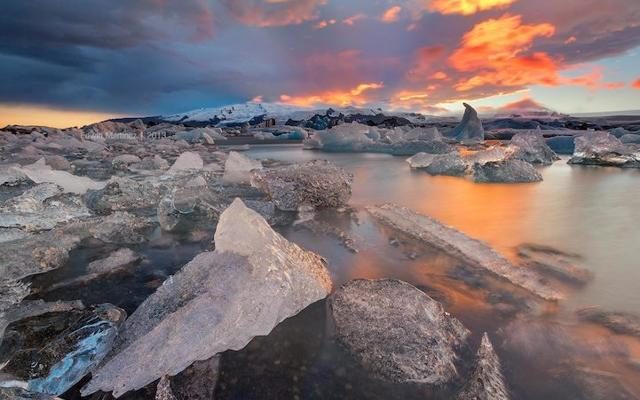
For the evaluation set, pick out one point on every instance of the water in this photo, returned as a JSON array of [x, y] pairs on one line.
[[591, 211], [546, 353]]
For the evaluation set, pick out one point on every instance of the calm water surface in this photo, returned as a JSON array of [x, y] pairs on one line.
[[545, 352]]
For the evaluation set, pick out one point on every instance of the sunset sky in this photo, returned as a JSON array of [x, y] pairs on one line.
[[74, 61]]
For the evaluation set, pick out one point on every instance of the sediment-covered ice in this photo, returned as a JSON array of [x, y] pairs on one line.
[[317, 184], [218, 301], [461, 246], [396, 331], [507, 171]]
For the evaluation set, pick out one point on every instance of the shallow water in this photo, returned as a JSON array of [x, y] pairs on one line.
[[545, 352], [591, 211]]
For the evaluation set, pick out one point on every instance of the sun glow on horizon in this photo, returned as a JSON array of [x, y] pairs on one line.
[[16, 114]]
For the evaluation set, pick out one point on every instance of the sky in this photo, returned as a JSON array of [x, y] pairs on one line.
[[71, 62]]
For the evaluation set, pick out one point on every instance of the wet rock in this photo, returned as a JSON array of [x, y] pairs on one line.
[[124, 194], [39, 172], [237, 168], [396, 331], [470, 129], [317, 184], [52, 365], [40, 208], [486, 382], [120, 261], [532, 148], [618, 322], [561, 144], [604, 149], [564, 265], [15, 393], [218, 301], [451, 164], [187, 161], [468, 250], [508, 171]]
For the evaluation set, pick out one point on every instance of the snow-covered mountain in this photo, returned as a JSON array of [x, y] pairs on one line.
[[245, 112]]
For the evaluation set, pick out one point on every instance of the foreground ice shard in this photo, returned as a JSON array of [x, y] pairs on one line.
[[461, 246], [219, 301]]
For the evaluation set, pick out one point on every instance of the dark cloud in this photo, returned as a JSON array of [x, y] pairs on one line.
[[164, 56]]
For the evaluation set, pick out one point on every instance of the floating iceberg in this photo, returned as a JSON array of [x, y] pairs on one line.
[[507, 171], [469, 130], [602, 148]]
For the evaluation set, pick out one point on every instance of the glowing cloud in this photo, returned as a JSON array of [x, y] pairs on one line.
[[636, 84], [426, 58], [466, 7], [353, 19], [391, 15], [273, 13], [352, 97]]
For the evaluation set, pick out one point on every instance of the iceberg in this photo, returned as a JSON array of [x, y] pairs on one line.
[[469, 130], [317, 184], [507, 171]]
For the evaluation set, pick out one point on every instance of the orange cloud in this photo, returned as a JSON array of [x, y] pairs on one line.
[[391, 15], [426, 57], [636, 84], [466, 7], [325, 23], [494, 42], [440, 75], [273, 13], [353, 19], [353, 97]]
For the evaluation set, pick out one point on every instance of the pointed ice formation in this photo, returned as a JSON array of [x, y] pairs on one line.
[[469, 130], [218, 301], [486, 382], [461, 246], [237, 168]]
